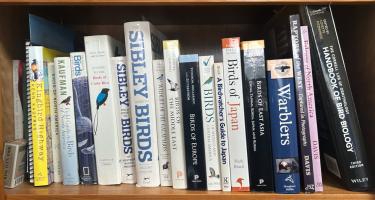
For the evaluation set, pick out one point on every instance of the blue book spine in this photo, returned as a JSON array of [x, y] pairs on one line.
[[282, 106], [84, 130]]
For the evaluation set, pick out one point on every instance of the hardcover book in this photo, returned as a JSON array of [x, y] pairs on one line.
[[235, 114], [162, 123], [14, 159], [206, 74], [192, 120], [222, 127], [340, 133], [257, 116], [281, 97], [143, 44], [99, 50], [122, 107], [82, 109], [171, 51]]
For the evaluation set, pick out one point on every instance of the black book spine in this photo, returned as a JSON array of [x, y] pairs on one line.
[[301, 103], [341, 114], [257, 116], [192, 118]]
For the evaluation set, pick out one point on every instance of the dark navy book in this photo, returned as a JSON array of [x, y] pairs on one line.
[[193, 126], [84, 129], [282, 105]]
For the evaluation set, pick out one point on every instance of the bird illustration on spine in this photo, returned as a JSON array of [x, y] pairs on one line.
[[100, 100], [35, 69]]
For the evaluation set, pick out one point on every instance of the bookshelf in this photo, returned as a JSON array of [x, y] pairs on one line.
[[199, 28]]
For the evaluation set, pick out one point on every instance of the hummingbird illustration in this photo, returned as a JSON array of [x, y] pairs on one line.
[[174, 86], [282, 68], [239, 180], [66, 101], [35, 68], [160, 77], [100, 100], [213, 173], [165, 165]]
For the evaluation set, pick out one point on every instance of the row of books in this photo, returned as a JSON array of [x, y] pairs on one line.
[[156, 117]]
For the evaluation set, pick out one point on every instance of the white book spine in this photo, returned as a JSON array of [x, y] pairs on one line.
[[235, 115], [139, 41], [99, 50], [67, 129], [174, 108], [57, 168], [18, 114], [121, 88], [162, 123], [206, 74], [222, 127]]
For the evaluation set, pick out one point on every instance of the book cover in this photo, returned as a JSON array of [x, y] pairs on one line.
[[122, 107], [192, 120], [143, 44], [17, 107], [282, 105], [162, 123], [235, 114], [301, 103], [14, 159], [82, 112], [67, 128], [222, 127], [99, 50], [171, 50], [257, 116], [311, 113], [206, 75], [340, 133]]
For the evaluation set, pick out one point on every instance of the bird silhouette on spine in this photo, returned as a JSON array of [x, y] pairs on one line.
[[100, 100]]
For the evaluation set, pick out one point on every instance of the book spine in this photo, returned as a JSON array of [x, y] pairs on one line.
[[27, 129], [257, 116], [99, 50], [57, 167], [120, 87], [38, 116], [17, 107], [302, 118], [171, 53], [67, 129], [281, 96], [138, 42], [338, 104], [206, 72], [162, 123], [311, 113], [192, 120], [82, 112], [235, 114], [8, 163], [222, 127]]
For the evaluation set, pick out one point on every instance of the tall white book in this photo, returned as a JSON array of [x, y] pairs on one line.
[[235, 114], [17, 107], [222, 127], [99, 51], [122, 107], [55, 137], [143, 44], [67, 129], [174, 108], [162, 123], [206, 74]]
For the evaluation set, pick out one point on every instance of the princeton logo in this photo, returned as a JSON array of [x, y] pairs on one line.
[[282, 68]]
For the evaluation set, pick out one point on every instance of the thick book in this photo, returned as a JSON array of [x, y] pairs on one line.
[[99, 51], [171, 51], [311, 111], [42, 164], [222, 127], [235, 114], [82, 110], [206, 76], [301, 103], [67, 128], [122, 107], [17, 107], [257, 116], [55, 137], [162, 123], [14, 162], [192, 120], [282, 105], [143, 44], [340, 133]]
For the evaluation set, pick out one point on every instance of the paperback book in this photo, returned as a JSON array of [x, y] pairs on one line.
[[17, 107]]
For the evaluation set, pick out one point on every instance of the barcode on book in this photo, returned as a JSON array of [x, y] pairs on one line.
[[332, 165]]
